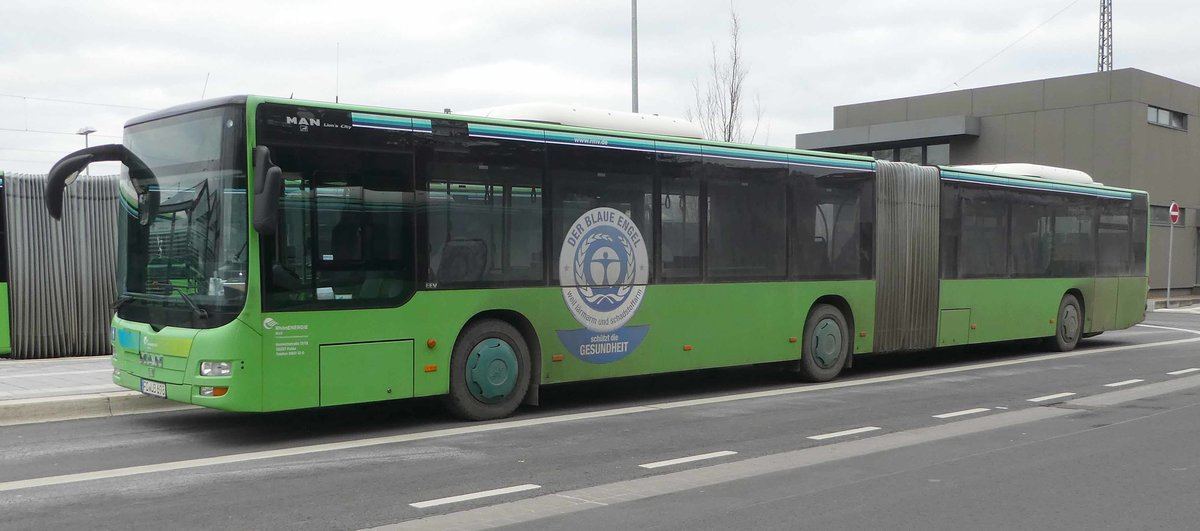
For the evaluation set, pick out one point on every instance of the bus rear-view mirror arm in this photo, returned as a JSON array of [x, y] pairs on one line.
[[268, 187], [67, 169]]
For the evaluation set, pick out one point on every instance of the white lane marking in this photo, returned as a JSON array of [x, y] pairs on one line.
[[961, 413], [1124, 382], [1184, 371], [682, 460], [541, 421], [60, 373], [854, 431], [1197, 332], [475, 496], [1050, 397]]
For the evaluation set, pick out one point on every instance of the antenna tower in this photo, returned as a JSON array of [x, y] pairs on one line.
[[1105, 55]]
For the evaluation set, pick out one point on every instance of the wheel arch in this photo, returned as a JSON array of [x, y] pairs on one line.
[[1082, 305], [522, 324]]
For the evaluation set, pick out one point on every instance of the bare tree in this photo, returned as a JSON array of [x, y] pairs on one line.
[[718, 105]]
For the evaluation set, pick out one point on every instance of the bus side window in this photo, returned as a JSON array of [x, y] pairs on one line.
[[983, 246], [1114, 238], [583, 178], [834, 231], [679, 217], [483, 211], [345, 229], [747, 212]]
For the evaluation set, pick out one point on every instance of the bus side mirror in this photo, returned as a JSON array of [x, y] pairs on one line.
[[67, 169], [268, 187]]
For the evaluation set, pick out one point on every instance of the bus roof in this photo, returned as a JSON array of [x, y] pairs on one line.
[[730, 149]]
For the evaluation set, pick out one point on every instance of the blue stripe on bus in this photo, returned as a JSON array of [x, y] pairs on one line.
[[1034, 185], [612, 142], [379, 120]]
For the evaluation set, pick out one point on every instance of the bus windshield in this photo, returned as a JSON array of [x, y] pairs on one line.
[[183, 241]]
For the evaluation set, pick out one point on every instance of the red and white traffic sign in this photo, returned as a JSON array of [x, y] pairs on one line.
[[1174, 210]]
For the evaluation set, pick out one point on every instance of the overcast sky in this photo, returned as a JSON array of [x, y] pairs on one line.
[[804, 56]]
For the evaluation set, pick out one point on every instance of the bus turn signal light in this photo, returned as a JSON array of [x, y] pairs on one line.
[[687, 348], [793, 339], [213, 391], [862, 333], [557, 357], [431, 368], [431, 342]]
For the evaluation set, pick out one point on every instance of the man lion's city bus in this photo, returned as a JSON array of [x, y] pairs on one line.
[[279, 254]]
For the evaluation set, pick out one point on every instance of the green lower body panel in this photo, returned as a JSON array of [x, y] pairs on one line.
[[366, 372], [1007, 309], [954, 327]]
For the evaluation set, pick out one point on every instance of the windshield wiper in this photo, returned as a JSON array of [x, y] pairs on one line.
[[154, 297]]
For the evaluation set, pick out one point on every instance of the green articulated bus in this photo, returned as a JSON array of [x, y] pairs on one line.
[[279, 254]]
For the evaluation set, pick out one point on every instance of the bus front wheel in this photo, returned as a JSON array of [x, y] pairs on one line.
[[1068, 328], [826, 344], [489, 371]]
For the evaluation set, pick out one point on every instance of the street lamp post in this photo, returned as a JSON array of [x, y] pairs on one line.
[[85, 131]]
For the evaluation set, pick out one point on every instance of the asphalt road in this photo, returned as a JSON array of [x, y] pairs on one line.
[[937, 440]]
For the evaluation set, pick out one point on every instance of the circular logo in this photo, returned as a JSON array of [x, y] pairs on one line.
[[603, 268], [269, 323]]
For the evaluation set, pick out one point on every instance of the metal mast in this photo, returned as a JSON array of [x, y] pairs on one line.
[[635, 62], [1105, 55]]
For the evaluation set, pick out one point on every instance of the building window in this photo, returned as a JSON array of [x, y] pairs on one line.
[[1161, 215], [934, 154], [937, 154], [1166, 118]]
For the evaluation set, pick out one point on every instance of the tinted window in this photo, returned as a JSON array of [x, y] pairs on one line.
[[983, 242], [583, 178], [483, 210], [345, 235], [1114, 238], [1074, 253], [1138, 235], [834, 232], [679, 217], [1032, 235], [747, 220]]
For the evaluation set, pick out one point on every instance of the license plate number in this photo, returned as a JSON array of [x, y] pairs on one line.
[[154, 388]]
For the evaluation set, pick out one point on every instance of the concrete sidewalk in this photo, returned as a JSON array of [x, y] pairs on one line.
[[68, 388]]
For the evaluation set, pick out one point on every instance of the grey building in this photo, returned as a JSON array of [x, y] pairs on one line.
[[1126, 128]]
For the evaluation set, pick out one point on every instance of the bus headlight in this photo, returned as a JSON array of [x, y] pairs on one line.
[[215, 368]]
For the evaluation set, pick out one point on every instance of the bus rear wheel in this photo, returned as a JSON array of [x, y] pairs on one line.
[[489, 371], [1069, 326], [826, 344]]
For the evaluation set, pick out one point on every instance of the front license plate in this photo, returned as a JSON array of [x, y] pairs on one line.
[[154, 388]]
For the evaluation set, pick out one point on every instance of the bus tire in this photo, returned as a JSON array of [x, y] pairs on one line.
[[826, 344], [1068, 328], [489, 371]]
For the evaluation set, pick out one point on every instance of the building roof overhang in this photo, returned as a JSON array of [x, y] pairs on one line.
[[926, 131]]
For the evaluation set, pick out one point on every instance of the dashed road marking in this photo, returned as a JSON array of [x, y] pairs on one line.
[[475, 496], [854, 431], [961, 413], [1184, 371], [1124, 383], [682, 460], [1051, 397]]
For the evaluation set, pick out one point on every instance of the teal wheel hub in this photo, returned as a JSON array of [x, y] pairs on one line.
[[491, 370], [827, 343]]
